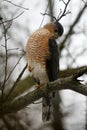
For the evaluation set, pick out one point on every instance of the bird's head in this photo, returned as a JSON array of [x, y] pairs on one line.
[[55, 28]]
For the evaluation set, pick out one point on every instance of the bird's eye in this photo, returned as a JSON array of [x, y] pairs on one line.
[[56, 30]]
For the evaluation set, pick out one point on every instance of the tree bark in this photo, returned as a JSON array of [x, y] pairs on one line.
[[70, 82]]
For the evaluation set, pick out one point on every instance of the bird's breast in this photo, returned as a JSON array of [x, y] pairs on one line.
[[37, 48], [37, 52], [38, 72]]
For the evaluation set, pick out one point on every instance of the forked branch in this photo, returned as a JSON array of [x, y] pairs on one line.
[[70, 82]]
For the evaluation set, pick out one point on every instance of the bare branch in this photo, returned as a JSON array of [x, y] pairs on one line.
[[70, 71], [65, 12], [13, 68], [6, 58], [61, 14], [5, 28], [85, 2], [16, 5], [80, 73], [12, 54], [49, 15], [12, 18], [13, 49], [44, 15], [63, 2], [15, 83], [64, 83], [71, 27]]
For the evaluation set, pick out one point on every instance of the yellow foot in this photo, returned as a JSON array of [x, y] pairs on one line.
[[39, 86]]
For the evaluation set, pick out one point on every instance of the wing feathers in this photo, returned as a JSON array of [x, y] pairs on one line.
[[52, 67], [52, 64]]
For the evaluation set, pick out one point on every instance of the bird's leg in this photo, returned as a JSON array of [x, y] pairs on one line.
[[39, 86], [30, 68]]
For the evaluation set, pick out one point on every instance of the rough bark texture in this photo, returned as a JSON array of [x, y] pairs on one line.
[[70, 82]]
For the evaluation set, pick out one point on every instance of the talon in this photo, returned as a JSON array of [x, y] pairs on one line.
[[39, 86], [30, 69]]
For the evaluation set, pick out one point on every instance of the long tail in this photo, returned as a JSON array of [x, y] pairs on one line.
[[47, 107]]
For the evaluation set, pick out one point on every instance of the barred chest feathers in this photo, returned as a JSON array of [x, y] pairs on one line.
[[37, 51]]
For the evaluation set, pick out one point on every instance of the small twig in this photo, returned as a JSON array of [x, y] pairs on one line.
[[12, 18], [5, 28], [22, 51], [61, 14], [13, 54], [8, 25], [82, 52], [16, 5], [63, 2], [85, 2], [13, 49], [13, 68], [71, 28], [3, 46], [65, 12], [49, 15], [73, 59], [15, 83], [44, 15], [6, 58]]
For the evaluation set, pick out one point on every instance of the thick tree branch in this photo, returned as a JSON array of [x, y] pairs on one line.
[[70, 82], [69, 71], [28, 82]]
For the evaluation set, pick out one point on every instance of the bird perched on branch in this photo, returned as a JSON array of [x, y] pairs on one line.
[[43, 60]]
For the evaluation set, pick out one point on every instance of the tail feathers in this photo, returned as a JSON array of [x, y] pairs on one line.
[[47, 108]]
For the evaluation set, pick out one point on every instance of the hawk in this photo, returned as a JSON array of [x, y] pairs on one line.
[[43, 60]]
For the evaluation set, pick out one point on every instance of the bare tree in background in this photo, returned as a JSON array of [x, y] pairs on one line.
[[10, 90]]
